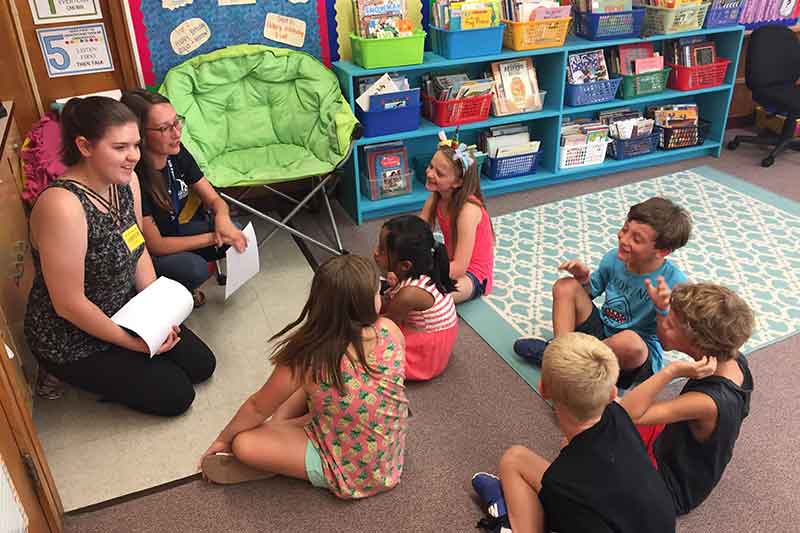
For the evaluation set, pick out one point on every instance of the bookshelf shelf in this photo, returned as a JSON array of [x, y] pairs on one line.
[[545, 125]]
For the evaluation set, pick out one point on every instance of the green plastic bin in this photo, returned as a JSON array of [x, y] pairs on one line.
[[634, 85], [391, 52]]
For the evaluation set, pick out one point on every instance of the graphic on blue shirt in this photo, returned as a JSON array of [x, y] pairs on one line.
[[627, 304]]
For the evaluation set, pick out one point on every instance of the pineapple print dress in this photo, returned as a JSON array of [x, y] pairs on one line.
[[360, 434]]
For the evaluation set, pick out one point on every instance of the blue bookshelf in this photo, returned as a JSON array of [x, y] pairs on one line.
[[545, 125]]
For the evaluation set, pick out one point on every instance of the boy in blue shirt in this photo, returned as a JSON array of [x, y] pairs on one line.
[[627, 321]]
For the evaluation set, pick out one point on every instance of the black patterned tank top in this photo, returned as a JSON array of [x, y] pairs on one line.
[[109, 282]]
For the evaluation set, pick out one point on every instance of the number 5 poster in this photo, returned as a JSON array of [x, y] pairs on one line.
[[73, 50]]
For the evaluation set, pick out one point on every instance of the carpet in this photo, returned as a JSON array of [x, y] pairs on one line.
[[744, 237], [100, 451]]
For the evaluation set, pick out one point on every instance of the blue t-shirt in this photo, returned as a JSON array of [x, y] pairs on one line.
[[627, 304]]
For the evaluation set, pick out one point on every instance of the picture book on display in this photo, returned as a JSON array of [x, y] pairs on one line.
[[387, 169], [516, 86], [381, 19], [586, 67], [465, 14]]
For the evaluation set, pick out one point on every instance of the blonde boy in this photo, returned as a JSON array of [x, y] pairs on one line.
[[691, 438], [602, 479]]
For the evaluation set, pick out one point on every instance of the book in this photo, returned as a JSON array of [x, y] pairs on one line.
[[382, 86], [586, 67], [380, 18], [703, 53], [648, 64], [517, 85], [629, 53], [610, 6], [387, 168], [529, 147]]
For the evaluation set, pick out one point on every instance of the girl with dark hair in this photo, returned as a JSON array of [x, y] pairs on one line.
[[90, 260], [457, 206], [334, 411], [420, 300], [178, 233]]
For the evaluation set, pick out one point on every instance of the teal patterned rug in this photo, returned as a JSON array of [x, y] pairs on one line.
[[744, 237]]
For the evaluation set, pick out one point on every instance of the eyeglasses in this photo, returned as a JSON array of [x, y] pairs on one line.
[[177, 126]]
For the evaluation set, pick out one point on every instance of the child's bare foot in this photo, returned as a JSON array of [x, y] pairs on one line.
[[225, 469]]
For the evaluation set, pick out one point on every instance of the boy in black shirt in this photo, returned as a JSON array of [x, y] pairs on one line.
[[602, 481], [690, 439]]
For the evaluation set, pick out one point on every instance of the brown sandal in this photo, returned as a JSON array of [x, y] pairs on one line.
[[48, 386], [226, 469], [199, 298]]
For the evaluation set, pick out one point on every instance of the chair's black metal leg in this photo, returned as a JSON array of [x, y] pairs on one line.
[[333, 221], [278, 223], [298, 207]]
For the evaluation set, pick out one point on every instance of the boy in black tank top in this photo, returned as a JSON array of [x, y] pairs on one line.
[[691, 438], [602, 481]]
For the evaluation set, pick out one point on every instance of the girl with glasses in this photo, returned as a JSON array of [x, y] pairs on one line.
[[177, 199]]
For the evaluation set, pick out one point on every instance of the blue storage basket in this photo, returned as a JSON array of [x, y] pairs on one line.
[[720, 15], [385, 118], [466, 43], [595, 92], [626, 148], [619, 25], [498, 168]]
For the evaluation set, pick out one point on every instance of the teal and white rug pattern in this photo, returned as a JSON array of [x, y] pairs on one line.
[[744, 238]]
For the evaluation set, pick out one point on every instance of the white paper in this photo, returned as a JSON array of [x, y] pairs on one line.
[[50, 11], [152, 313], [382, 86], [73, 50], [242, 266]]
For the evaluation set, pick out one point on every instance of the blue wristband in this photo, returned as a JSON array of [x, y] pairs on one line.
[[662, 312]]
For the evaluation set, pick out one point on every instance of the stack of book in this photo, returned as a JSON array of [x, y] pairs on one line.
[[380, 19], [586, 67], [624, 124], [454, 86], [634, 58], [516, 86], [671, 4], [531, 10], [579, 132], [465, 14], [387, 171], [680, 123], [507, 141], [691, 51], [602, 6]]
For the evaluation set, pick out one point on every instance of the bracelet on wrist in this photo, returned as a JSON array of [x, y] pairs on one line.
[[662, 312]]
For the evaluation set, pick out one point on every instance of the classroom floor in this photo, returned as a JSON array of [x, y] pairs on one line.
[[464, 419]]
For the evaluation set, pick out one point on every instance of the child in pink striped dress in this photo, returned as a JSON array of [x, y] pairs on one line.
[[419, 300]]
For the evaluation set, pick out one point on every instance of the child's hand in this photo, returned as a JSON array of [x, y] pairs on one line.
[[577, 269], [391, 279], [659, 294], [216, 447], [694, 369]]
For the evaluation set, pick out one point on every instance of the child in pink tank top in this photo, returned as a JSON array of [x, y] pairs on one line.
[[419, 300], [457, 206], [334, 411]]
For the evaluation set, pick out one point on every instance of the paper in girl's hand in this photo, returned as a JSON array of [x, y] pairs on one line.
[[242, 266], [152, 313]]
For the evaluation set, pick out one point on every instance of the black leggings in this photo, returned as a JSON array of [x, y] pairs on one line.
[[161, 385]]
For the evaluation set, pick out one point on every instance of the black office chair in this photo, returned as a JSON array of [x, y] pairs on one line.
[[772, 70]]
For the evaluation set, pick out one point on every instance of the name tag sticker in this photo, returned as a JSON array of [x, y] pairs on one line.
[[133, 237]]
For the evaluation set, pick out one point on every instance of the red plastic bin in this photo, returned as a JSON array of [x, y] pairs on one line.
[[698, 77], [454, 112]]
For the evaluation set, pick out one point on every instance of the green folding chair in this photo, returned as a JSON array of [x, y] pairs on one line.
[[259, 116]]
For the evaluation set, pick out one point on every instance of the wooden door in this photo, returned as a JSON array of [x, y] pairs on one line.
[[21, 453], [122, 77]]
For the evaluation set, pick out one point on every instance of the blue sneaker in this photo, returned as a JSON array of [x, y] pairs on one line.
[[531, 349], [491, 493]]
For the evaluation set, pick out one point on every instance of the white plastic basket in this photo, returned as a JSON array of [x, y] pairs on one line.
[[592, 153]]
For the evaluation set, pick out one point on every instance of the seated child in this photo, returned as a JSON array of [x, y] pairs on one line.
[[334, 411], [627, 322], [457, 206], [420, 301], [602, 480], [691, 438]]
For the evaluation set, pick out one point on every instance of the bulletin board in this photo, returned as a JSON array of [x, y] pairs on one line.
[[152, 24]]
